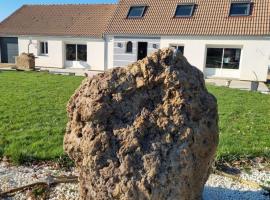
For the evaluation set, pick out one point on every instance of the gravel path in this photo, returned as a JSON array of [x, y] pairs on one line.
[[217, 187]]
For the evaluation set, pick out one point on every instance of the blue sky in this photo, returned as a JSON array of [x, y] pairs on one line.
[[9, 6]]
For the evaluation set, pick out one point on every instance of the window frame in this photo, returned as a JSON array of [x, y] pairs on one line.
[[185, 4], [177, 45], [136, 17], [240, 15], [129, 42], [223, 56], [76, 52], [45, 45]]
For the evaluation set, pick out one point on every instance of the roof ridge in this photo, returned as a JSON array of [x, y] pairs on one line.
[[71, 4]]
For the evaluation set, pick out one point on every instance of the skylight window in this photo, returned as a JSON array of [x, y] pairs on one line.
[[184, 10], [136, 11], [240, 9]]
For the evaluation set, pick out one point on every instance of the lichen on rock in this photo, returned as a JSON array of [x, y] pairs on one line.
[[145, 131]]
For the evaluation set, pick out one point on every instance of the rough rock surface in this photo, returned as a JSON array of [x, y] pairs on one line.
[[25, 61], [146, 131]]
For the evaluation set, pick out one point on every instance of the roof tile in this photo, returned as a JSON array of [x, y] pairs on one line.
[[211, 17], [83, 20]]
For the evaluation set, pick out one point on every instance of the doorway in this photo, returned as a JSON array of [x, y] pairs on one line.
[[9, 49], [142, 50]]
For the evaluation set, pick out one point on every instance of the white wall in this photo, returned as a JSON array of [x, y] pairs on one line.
[[255, 55], [96, 55], [55, 51], [56, 57], [109, 52], [121, 58]]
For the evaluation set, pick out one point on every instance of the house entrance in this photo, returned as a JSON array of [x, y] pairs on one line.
[[142, 50]]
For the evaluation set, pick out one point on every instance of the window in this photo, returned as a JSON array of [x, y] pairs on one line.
[[129, 47], [184, 10], [227, 58], [231, 58], [214, 57], [136, 11], [178, 47], [43, 48], [81, 52], [240, 9], [76, 52], [71, 52]]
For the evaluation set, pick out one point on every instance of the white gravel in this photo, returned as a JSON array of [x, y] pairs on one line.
[[217, 187], [223, 188], [13, 177]]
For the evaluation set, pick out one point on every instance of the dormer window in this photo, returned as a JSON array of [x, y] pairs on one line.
[[184, 10], [136, 11], [240, 9]]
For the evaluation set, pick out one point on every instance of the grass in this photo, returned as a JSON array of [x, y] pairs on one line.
[[33, 114], [244, 123], [33, 118], [268, 85]]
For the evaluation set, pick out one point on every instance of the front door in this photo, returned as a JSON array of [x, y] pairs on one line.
[[142, 50]]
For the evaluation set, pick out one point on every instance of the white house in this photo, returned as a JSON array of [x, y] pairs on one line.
[[223, 38], [60, 36]]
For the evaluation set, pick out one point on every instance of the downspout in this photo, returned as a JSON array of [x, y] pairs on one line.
[[105, 52]]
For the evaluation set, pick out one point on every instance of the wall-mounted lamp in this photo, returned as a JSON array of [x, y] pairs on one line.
[[155, 46], [120, 45]]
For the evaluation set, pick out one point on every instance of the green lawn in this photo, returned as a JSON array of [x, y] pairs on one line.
[[33, 114], [33, 117], [244, 120]]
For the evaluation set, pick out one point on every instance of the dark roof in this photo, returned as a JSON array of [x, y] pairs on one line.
[[211, 17], [80, 20]]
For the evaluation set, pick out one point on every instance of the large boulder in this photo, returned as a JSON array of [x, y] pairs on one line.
[[146, 131], [26, 61]]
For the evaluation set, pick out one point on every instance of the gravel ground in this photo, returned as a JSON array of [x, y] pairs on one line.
[[217, 187]]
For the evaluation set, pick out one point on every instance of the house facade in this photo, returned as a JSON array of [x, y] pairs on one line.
[[60, 36], [252, 53], [65, 52], [223, 38]]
